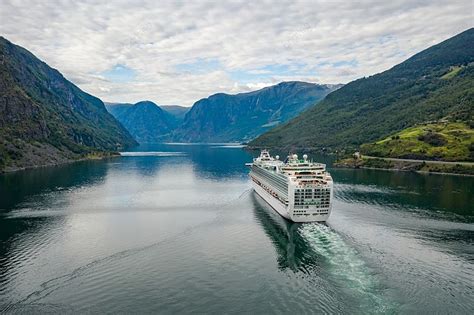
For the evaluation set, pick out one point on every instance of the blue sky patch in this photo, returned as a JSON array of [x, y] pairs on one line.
[[346, 63], [119, 74], [200, 65], [270, 71]]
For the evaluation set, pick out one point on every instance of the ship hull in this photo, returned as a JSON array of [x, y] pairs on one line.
[[282, 210], [274, 203]]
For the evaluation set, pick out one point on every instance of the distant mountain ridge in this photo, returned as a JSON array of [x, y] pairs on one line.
[[437, 83], [220, 117], [146, 121], [117, 109], [241, 117], [45, 119], [178, 112]]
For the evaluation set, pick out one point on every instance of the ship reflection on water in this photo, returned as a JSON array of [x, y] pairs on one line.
[[294, 251]]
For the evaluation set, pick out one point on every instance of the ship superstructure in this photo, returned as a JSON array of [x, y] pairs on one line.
[[298, 189]]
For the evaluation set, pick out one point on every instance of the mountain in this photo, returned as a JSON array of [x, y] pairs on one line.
[[220, 117], [145, 120], [241, 117], [434, 84], [117, 109], [176, 111], [45, 119]]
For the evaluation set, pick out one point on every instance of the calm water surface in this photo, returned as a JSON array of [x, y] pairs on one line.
[[177, 229]]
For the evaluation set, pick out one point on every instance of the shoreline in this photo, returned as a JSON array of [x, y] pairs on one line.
[[462, 168], [89, 157], [400, 170]]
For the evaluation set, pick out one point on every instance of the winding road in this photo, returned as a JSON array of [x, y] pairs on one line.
[[419, 161]]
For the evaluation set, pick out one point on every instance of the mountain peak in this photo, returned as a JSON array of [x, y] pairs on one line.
[[145, 120], [146, 103]]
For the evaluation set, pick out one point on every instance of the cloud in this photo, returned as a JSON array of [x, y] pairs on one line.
[[175, 52]]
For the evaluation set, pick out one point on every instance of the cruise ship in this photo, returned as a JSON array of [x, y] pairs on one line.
[[300, 190]]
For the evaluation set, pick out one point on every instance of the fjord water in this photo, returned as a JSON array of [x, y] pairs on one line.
[[177, 229]]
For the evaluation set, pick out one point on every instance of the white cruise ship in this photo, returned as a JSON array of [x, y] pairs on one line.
[[299, 190]]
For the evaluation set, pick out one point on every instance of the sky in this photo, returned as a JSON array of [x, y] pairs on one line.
[[177, 52]]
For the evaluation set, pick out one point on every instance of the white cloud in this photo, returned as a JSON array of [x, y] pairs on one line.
[[318, 41]]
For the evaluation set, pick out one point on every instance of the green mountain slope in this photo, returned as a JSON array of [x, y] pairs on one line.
[[447, 141], [423, 88], [241, 117], [45, 119]]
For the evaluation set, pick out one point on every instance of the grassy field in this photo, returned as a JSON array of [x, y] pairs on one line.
[[453, 71], [447, 141]]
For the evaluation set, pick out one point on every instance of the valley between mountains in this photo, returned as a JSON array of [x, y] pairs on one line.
[[422, 108]]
